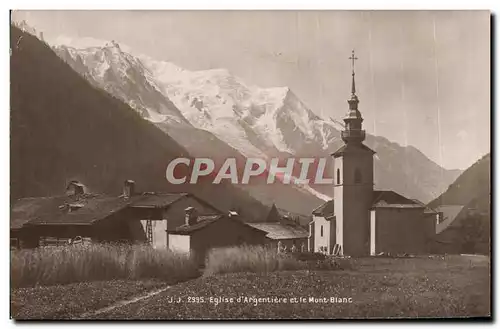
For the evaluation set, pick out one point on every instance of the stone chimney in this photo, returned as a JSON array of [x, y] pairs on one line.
[[75, 188], [128, 188], [191, 216]]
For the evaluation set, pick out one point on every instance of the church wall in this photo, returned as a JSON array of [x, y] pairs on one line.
[[325, 239], [310, 240], [400, 231], [373, 230], [431, 220], [355, 202], [338, 196], [333, 234]]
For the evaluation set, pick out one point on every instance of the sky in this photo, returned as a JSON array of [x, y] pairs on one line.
[[422, 77]]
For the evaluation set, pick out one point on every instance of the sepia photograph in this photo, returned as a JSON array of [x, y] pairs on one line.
[[250, 164]]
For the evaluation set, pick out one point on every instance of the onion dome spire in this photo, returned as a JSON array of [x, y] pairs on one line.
[[353, 131]]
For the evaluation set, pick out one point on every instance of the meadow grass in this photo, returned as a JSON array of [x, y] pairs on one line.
[[97, 262], [260, 259]]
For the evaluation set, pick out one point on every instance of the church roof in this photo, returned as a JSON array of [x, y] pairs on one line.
[[391, 199], [351, 148], [325, 209], [381, 199]]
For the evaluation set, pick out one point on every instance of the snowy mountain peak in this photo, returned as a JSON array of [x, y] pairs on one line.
[[25, 27], [113, 44], [124, 76], [257, 121]]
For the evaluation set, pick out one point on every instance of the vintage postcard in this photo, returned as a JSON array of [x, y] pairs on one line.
[[187, 165]]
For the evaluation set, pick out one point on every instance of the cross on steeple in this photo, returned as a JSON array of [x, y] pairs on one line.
[[353, 58]]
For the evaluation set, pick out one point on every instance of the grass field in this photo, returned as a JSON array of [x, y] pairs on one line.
[[98, 262], [452, 286], [260, 259], [378, 287]]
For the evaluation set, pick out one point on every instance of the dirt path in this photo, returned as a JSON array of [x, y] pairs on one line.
[[121, 303]]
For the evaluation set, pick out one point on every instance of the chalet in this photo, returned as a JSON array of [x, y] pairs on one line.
[[283, 228], [201, 233], [288, 235], [131, 216]]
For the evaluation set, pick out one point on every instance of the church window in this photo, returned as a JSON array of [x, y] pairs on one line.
[[338, 176], [357, 176], [321, 230]]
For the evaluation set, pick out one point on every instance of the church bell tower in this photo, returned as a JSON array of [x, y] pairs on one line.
[[353, 182]]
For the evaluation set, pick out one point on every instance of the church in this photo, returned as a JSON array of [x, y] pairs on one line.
[[360, 221]]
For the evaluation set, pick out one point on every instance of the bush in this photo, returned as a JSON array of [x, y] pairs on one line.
[[68, 264]]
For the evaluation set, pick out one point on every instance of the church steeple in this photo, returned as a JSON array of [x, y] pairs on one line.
[[353, 132]]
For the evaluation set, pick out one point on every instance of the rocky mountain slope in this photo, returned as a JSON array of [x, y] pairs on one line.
[[63, 128], [472, 188], [470, 231]]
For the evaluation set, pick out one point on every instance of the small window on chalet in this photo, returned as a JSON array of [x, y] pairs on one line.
[[338, 176], [357, 176], [321, 230]]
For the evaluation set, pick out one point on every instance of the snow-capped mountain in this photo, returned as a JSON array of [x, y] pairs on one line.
[[25, 27], [256, 121], [259, 122], [123, 76], [243, 119]]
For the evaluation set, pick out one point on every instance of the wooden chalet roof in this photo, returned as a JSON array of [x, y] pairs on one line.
[[51, 210], [89, 207], [280, 231], [163, 200], [26, 209], [202, 222], [158, 200]]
